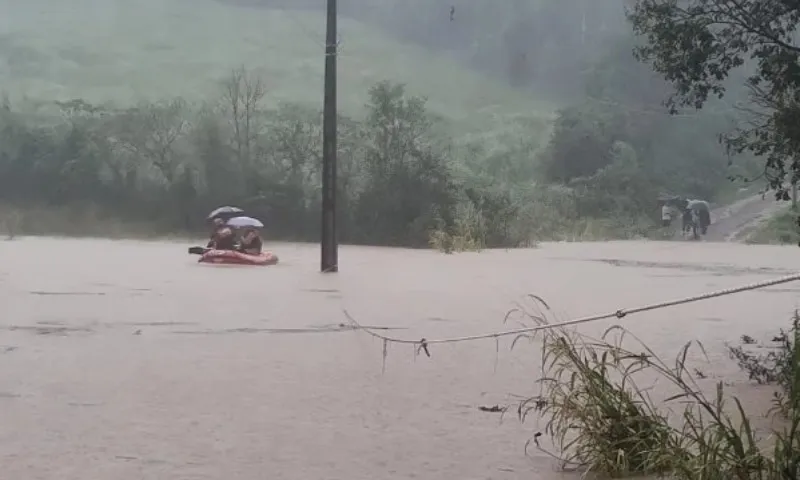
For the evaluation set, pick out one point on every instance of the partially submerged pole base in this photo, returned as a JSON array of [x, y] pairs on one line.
[[329, 243]]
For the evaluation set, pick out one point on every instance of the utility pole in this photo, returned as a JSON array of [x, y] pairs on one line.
[[329, 244]]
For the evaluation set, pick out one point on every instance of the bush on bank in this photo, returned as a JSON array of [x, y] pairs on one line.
[[402, 182], [780, 229], [596, 401]]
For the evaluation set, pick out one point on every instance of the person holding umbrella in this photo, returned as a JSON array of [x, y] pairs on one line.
[[251, 242], [225, 213], [701, 212], [222, 237]]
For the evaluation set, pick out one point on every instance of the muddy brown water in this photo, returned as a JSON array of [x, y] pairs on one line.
[[124, 360]]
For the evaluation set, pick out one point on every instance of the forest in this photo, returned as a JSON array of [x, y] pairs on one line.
[[581, 148]]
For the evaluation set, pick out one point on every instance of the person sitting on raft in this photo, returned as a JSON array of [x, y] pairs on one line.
[[251, 243], [222, 238]]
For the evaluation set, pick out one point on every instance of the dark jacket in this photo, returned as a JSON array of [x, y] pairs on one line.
[[253, 247], [222, 242]]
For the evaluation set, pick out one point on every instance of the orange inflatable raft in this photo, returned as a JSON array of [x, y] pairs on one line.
[[230, 257]]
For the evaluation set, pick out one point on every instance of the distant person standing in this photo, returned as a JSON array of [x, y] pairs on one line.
[[695, 215], [666, 215], [686, 219], [702, 212]]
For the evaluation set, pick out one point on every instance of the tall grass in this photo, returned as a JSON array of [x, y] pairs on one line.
[[780, 229], [771, 364], [603, 420]]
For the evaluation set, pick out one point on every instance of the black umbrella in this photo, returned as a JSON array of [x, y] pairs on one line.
[[225, 213]]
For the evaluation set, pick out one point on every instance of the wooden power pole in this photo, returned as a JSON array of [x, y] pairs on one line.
[[329, 243]]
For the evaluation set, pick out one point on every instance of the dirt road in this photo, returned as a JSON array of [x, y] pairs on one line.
[[732, 222]]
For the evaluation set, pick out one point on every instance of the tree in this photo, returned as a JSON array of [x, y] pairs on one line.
[[243, 93], [83, 164], [295, 140], [698, 45], [289, 167], [581, 141], [619, 188], [407, 176], [222, 176], [151, 132]]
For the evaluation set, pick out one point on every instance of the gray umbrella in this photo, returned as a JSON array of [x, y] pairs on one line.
[[224, 212], [244, 222], [698, 205]]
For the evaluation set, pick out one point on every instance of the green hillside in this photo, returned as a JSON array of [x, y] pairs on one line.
[[121, 51]]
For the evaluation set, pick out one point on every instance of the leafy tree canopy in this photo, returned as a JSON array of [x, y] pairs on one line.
[[699, 44]]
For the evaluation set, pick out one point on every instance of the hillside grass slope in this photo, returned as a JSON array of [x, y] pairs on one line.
[[122, 51]]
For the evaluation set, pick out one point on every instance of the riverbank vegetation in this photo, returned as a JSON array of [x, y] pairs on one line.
[[401, 179], [448, 156], [681, 424], [780, 229], [613, 407]]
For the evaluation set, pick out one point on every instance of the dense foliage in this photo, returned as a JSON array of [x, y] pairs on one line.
[[401, 181], [580, 52], [698, 45], [171, 161], [682, 424], [412, 171]]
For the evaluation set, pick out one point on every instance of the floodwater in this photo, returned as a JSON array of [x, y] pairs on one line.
[[127, 361]]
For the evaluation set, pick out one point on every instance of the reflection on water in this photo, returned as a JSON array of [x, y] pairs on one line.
[[127, 360]]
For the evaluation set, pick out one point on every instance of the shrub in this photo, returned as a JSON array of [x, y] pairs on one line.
[[603, 420], [770, 364]]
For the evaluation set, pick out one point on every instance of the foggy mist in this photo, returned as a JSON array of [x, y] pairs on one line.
[[504, 149]]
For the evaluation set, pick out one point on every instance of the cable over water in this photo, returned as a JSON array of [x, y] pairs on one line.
[[423, 343]]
